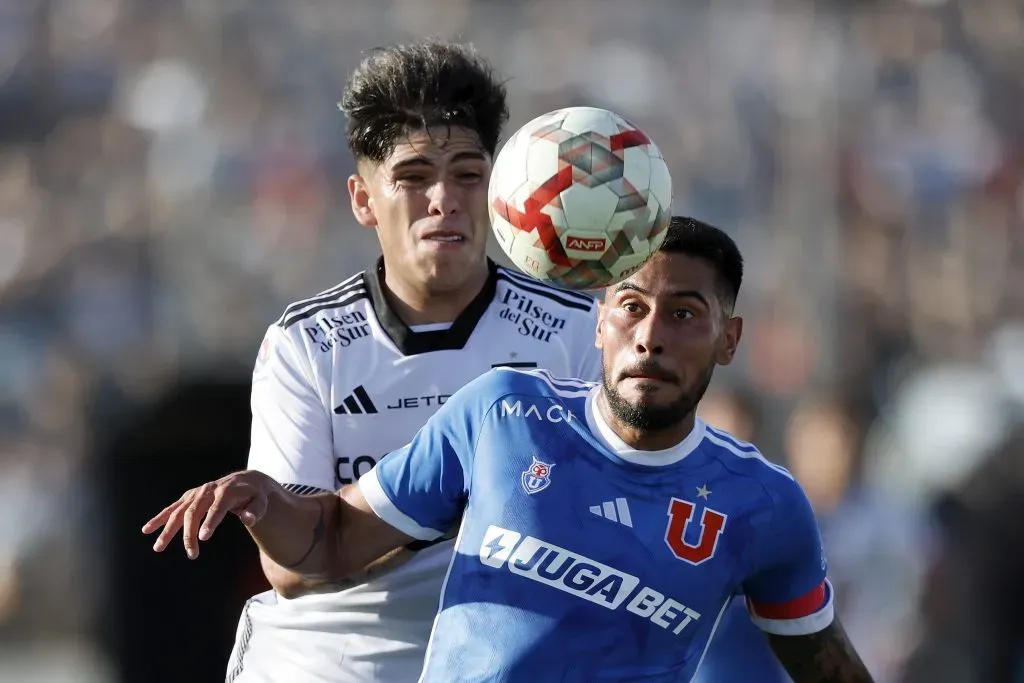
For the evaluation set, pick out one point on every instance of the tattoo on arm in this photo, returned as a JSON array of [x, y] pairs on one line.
[[823, 657], [318, 535]]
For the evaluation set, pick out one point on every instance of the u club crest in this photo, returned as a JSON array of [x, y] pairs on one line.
[[537, 476]]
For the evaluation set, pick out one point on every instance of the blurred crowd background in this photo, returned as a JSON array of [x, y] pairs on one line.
[[172, 173]]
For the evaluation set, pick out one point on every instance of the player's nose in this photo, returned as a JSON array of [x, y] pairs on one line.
[[649, 336], [444, 198]]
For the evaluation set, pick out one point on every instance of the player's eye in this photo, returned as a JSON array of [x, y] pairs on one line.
[[684, 314], [631, 307], [470, 176]]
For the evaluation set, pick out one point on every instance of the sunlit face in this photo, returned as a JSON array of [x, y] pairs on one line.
[[662, 331], [428, 203]]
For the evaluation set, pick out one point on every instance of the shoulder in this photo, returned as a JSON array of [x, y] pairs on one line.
[[335, 317], [345, 294], [495, 398], [491, 387], [745, 459], [533, 297]]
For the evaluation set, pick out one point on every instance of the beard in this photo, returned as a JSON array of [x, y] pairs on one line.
[[647, 417]]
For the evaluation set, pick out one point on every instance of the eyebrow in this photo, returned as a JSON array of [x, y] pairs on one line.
[[420, 160], [679, 293]]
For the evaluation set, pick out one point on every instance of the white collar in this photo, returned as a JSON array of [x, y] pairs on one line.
[[607, 436]]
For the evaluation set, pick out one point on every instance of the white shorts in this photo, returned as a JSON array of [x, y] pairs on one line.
[[371, 633]]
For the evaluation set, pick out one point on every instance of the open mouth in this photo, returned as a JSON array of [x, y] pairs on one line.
[[445, 238]]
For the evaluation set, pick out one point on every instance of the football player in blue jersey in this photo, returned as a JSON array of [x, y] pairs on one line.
[[604, 527]]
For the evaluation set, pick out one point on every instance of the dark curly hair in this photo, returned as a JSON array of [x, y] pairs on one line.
[[403, 88]]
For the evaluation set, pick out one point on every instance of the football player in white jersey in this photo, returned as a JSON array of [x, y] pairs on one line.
[[353, 373]]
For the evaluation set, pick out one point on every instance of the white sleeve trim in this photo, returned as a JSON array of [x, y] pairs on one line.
[[384, 508], [802, 626]]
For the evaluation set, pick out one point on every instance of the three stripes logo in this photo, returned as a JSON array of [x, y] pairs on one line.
[[356, 403], [614, 510]]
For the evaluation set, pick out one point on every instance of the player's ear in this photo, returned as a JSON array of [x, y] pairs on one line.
[[598, 341], [730, 340], [362, 204]]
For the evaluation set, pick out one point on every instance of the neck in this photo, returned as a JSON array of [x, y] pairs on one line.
[[417, 304], [646, 440]]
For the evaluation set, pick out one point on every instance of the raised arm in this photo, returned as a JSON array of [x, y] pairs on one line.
[[415, 493], [291, 437], [324, 537]]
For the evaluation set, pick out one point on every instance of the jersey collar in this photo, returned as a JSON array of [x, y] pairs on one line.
[[411, 343], [600, 428]]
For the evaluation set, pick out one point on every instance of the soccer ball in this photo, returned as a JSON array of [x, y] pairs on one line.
[[580, 198]]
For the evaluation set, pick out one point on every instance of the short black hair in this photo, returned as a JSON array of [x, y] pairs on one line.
[[403, 88], [702, 240]]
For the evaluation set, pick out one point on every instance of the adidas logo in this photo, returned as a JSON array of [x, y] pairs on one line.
[[356, 403], [615, 510]]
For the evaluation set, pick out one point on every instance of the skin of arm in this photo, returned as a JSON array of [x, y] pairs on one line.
[[344, 535], [290, 584], [823, 657], [287, 583]]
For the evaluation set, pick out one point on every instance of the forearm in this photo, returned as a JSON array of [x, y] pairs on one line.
[[823, 657], [289, 584], [300, 534]]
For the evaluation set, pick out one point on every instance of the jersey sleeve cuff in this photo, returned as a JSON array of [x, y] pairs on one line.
[[798, 617], [304, 490], [383, 507]]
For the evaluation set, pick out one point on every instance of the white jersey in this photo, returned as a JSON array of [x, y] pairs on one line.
[[339, 382]]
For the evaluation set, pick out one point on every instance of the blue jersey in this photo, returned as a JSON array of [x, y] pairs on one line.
[[579, 559]]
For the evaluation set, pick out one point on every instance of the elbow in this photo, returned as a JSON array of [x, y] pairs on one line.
[[290, 588], [285, 582]]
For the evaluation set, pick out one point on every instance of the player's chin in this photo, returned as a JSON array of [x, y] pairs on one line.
[[446, 271]]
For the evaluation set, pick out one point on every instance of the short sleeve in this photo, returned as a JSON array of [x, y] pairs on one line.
[[291, 437], [788, 592], [422, 488]]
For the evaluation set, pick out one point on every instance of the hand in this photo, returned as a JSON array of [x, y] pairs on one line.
[[243, 494]]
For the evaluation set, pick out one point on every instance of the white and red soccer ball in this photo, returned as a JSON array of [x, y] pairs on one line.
[[580, 198]]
